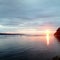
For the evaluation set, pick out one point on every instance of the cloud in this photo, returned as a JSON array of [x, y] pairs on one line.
[[29, 8], [17, 22], [20, 14], [7, 25]]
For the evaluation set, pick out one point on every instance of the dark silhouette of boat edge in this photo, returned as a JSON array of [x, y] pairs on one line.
[[57, 34]]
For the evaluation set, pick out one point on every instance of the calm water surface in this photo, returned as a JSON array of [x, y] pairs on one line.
[[28, 47]]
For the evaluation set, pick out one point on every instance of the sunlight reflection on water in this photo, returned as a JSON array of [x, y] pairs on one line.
[[47, 38], [42, 39]]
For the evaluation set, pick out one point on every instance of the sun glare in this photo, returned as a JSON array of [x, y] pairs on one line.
[[47, 32]]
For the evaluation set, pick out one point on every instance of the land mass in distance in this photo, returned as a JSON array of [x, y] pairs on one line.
[[20, 34]]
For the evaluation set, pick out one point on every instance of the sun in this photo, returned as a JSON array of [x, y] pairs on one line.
[[47, 32]]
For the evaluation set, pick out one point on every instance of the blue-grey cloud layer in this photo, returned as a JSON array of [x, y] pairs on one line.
[[24, 13], [29, 8]]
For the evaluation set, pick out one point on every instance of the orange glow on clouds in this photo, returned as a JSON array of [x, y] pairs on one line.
[[42, 30]]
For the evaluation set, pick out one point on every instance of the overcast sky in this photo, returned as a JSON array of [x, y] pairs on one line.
[[17, 15]]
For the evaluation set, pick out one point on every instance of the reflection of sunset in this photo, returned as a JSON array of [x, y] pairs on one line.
[[42, 34], [47, 36]]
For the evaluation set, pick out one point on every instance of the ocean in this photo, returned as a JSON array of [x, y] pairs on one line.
[[17, 47]]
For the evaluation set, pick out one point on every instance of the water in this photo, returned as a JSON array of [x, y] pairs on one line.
[[28, 47]]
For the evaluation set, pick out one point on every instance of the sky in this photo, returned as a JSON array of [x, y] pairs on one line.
[[29, 15]]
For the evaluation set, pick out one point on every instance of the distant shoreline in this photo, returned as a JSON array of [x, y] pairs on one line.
[[10, 34], [19, 34]]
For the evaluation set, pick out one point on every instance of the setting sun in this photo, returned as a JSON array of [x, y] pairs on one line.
[[47, 32]]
